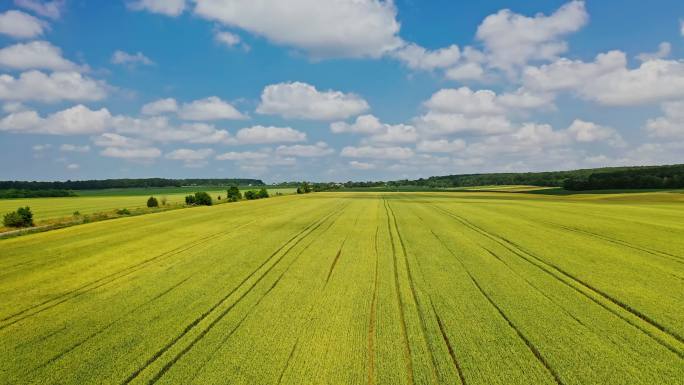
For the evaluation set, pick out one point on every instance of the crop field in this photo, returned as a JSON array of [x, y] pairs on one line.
[[345, 288], [93, 201]]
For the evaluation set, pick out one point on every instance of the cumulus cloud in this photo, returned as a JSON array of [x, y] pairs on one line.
[[227, 38], [361, 165], [110, 139], [72, 121], [378, 132], [372, 152], [512, 40], [583, 131], [143, 153], [364, 124], [160, 129], [671, 125], [417, 57], [159, 107], [304, 101], [441, 145], [465, 71], [191, 158], [211, 108], [663, 51], [321, 28], [243, 156], [73, 166], [130, 59], [74, 148], [261, 134], [21, 25], [608, 81], [319, 149], [50, 9], [437, 123], [55, 87], [36, 55], [164, 7]]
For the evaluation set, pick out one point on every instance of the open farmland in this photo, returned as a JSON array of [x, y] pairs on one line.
[[355, 288], [95, 201]]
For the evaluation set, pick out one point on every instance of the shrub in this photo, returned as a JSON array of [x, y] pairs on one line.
[[263, 193], [190, 200], [202, 199], [250, 195], [77, 213], [23, 217], [152, 202], [233, 194], [123, 212]]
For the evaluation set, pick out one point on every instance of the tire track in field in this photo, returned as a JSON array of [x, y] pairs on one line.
[[109, 278], [445, 338], [112, 323], [371, 326], [533, 349], [407, 353], [414, 295], [242, 320], [292, 242], [654, 252], [334, 262], [549, 269]]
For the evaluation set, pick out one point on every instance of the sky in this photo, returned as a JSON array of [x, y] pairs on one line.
[[336, 90]]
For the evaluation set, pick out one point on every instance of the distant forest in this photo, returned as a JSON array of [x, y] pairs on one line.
[[644, 177], [124, 183]]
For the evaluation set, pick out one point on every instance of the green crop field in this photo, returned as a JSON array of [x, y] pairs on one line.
[[93, 201], [471, 288]]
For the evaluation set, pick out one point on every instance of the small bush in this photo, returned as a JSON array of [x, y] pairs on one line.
[[190, 200], [202, 199], [152, 202], [123, 212], [250, 195], [263, 193], [23, 217], [233, 194], [77, 213]]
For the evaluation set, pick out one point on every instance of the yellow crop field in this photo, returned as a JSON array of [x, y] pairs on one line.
[[476, 288]]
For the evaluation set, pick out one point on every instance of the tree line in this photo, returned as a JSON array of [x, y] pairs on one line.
[[101, 184]]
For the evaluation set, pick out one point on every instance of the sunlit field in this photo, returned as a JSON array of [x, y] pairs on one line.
[[353, 288]]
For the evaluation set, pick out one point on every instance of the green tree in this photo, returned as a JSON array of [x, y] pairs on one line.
[[190, 200], [249, 195], [233, 194], [23, 217], [152, 202], [263, 193], [202, 199]]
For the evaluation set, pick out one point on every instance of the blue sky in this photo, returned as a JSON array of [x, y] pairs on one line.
[[336, 90]]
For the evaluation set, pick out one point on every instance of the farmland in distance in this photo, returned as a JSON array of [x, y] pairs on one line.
[[355, 288]]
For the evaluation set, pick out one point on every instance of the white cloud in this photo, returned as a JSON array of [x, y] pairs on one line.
[[160, 129], [191, 158], [73, 166], [372, 152], [417, 57], [512, 40], [441, 145], [74, 148], [399, 133], [243, 156], [664, 50], [227, 38], [159, 107], [72, 121], [361, 165], [305, 150], [124, 58], [583, 131], [304, 101], [608, 81], [18, 24], [261, 134], [143, 153], [164, 7], [211, 108], [13, 107], [35, 54], [671, 125], [364, 124], [50, 9], [465, 101], [58, 86], [109, 139], [322, 28], [465, 71], [436, 123]]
